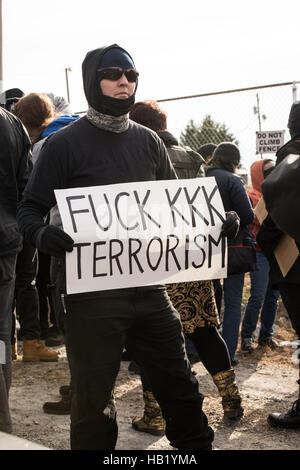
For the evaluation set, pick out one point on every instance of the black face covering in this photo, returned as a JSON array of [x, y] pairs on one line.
[[91, 83], [115, 106]]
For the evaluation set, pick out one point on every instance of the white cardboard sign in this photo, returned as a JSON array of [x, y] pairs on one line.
[[144, 233]]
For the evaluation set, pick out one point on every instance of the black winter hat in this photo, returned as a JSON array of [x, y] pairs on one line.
[[229, 151], [226, 155], [9, 97], [206, 151], [116, 57]]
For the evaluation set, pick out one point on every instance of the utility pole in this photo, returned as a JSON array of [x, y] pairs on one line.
[[294, 92], [256, 110], [68, 69]]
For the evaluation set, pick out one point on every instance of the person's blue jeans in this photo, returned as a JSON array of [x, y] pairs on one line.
[[233, 291], [261, 296]]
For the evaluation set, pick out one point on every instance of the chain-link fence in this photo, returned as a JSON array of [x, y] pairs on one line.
[[237, 113]]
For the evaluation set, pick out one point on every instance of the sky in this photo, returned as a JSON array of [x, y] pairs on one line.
[[180, 48]]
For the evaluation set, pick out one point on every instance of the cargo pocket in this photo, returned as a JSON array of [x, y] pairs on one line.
[[7, 269], [10, 239]]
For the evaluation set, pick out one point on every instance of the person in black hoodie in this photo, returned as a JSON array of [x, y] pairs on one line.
[[105, 147], [14, 170], [268, 238]]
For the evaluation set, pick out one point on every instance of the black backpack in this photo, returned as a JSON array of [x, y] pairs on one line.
[[187, 163]]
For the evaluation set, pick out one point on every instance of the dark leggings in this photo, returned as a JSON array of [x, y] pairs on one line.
[[218, 290], [212, 351]]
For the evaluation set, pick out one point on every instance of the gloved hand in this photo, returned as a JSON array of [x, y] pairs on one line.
[[53, 241], [231, 225]]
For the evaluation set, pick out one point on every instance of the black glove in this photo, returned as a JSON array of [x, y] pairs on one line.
[[53, 241], [231, 225]]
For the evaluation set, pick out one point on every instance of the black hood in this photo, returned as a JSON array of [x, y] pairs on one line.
[[294, 119], [91, 84], [292, 146]]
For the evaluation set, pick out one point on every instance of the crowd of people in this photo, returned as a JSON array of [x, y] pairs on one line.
[[45, 147]]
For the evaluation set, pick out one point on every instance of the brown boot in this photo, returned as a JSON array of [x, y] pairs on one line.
[[34, 350], [152, 420], [228, 389]]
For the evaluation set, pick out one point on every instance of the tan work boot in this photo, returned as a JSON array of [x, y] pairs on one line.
[[152, 420], [34, 350], [228, 389]]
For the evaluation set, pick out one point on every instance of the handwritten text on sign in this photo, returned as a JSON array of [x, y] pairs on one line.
[[145, 233]]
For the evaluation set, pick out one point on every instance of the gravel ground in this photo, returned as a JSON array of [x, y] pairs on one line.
[[267, 380]]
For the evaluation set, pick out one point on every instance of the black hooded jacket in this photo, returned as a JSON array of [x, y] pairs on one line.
[[14, 170], [270, 235], [281, 189], [82, 155], [292, 146]]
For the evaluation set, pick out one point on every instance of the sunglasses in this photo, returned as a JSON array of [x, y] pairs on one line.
[[116, 73]]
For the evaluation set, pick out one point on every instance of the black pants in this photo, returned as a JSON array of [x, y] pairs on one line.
[[143, 320], [26, 296], [56, 288], [212, 351], [45, 301], [290, 294]]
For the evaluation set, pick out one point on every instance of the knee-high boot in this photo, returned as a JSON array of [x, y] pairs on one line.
[[228, 389]]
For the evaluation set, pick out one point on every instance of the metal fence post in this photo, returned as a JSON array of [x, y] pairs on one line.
[[294, 92]]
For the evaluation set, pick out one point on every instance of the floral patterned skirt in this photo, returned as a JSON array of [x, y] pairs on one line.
[[195, 302]]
